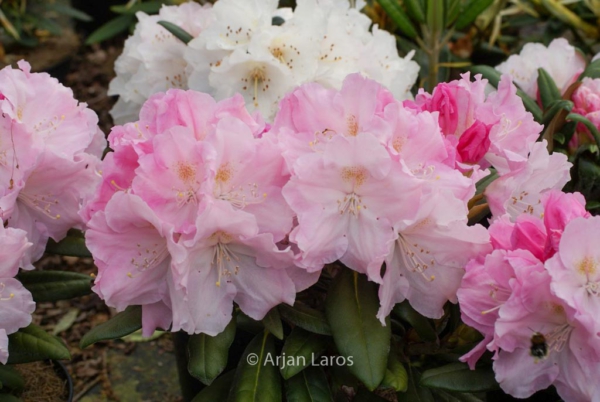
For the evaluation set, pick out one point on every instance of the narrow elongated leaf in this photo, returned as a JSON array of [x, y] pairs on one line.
[[124, 323], [177, 31], [397, 14], [32, 343], [64, 9], [10, 379], [257, 378], [148, 7], [351, 308], [301, 347], [55, 285], [395, 376], [309, 385], [470, 11], [111, 28], [549, 92], [435, 16], [588, 124], [415, 10], [555, 108], [591, 71], [73, 246], [305, 317], [218, 390], [272, 322], [421, 324], [452, 11], [459, 378], [208, 354]]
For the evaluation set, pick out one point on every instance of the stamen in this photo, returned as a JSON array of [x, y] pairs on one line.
[[42, 203], [412, 256]]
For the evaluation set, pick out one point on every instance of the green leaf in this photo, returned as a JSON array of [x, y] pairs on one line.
[[459, 378], [32, 343], [592, 205], [588, 124], [470, 12], [415, 10], [530, 105], [489, 73], [486, 181], [71, 245], [111, 28], [66, 321], [272, 322], [148, 7], [305, 317], [549, 92], [49, 25], [435, 16], [301, 347], [10, 378], [591, 71], [55, 285], [351, 308], [452, 11], [397, 14], [208, 354], [421, 324], [218, 390], [415, 393], [555, 108], [396, 376], [124, 323], [177, 31], [259, 382], [309, 385], [64, 9]]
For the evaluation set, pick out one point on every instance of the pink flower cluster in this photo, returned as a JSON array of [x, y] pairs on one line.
[[50, 146], [535, 300], [190, 216]]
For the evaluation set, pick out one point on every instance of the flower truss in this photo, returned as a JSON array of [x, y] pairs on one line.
[[237, 48], [50, 147], [190, 216]]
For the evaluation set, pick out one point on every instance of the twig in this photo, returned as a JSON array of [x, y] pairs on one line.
[[86, 389]]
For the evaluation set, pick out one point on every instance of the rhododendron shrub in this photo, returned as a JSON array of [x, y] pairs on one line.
[[258, 50], [189, 216]]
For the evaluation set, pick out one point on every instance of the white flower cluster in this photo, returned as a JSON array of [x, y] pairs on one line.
[[253, 48]]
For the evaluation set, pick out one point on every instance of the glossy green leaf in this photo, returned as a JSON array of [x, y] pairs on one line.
[[111, 28], [148, 7], [124, 323], [421, 324], [396, 376], [415, 10], [591, 71], [272, 322], [459, 378], [208, 354], [309, 385], [257, 377], [301, 347], [64, 9], [10, 379], [592, 205], [9, 398], [397, 14], [351, 308], [554, 108], [588, 124], [305, 317], [248, 324], [486, 181], [470, 12], [549, 92], [218, 390], [177, 31], [32, 343], [452, 11], [73, 246], [415, 393], [55, 285]]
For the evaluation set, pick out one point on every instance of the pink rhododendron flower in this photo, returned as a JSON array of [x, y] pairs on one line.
[[53, 150], [575, 270], [16, 301], [560, 60], [560, 209], [586, 100], [520, 191], [192, 192]]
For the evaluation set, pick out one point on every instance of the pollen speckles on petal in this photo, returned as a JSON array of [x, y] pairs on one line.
[[587, 266], [186, 172], [352, 125], [356, 174], [224, 174]]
